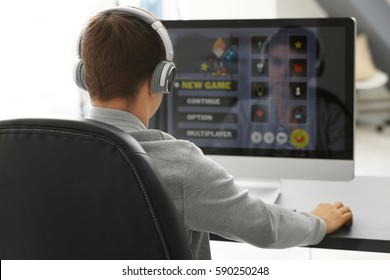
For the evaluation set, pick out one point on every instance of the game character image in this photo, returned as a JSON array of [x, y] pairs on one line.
[[222, 57]]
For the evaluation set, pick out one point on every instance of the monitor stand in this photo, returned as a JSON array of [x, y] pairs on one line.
[[268, 190], [254, 174]]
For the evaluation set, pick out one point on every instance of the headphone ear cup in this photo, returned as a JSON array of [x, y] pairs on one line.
[[162, 78], [78, 75]]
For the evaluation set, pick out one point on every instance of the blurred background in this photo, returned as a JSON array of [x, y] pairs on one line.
[[37, 49]]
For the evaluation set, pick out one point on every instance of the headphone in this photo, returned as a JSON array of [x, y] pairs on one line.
[[163, 74]]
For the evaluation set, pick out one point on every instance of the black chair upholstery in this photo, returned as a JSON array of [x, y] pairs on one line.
[[81, 189]]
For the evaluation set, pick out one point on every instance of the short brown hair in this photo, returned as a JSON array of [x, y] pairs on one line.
[[119, 53]]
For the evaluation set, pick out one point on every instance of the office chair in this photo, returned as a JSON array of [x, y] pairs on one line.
[[81, 189]]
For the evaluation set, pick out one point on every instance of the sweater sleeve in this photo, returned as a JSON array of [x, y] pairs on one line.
[[214, 203]]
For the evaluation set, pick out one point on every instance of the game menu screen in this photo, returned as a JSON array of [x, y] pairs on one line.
[[255, 88]]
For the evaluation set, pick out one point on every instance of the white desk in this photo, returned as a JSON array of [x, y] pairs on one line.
[[369, 199]]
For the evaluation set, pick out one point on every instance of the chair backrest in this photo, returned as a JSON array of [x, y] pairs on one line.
[[81, 189]]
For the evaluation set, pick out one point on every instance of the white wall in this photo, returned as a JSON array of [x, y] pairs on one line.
[[299, 9], [231, 9], [216, 9], [37, 54]]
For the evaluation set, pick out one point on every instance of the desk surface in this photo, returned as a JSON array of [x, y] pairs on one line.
[[367, 196], [369, 199]]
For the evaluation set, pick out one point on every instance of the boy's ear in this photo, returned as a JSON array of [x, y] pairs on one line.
[[149, 82]]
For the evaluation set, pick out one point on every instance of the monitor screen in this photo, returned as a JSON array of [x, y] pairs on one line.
[[260, 92]]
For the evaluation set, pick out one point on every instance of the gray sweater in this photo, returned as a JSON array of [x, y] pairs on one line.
[[208, 199]]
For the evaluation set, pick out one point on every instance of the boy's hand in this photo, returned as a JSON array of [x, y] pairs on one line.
[[335, 215]]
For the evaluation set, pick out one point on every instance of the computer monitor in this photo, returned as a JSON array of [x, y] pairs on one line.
[[268, 99]]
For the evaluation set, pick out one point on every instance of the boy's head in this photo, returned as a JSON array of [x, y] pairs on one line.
[[120, 51]]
